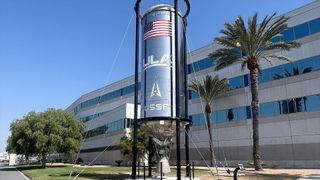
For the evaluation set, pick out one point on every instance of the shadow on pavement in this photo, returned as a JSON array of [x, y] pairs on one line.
[[95, 176], [30, 167]]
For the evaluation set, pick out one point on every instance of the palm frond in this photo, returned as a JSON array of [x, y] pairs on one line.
[[268, 59], [225, 57], [277, 56], [209, 88], [282, 46], [254, 40]]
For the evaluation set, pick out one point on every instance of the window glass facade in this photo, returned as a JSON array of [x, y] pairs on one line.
[[88, 118], [301, 30], [278, 72], [95, 132], [312, 103], [268, 109], [314, 26], [234, 114], [116, 125], [292, 33], [200, 65], [108, 96], [236, 82]]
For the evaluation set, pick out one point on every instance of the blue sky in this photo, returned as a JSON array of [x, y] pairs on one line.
[[54, 51]]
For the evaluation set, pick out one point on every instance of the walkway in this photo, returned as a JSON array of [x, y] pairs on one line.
[[10, 172]]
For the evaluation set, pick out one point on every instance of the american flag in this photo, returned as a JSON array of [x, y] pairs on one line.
[[157, 28]]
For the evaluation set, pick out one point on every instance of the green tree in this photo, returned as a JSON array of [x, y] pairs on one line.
[[52, 131], [249, 44], [126, 143], [208, 91]]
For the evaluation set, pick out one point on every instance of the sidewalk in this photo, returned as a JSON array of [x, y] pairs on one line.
[[10, 172]]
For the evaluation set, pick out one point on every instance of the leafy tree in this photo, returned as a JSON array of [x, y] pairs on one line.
[[52, 131], [249, 44], [126, 143], [208, 91]]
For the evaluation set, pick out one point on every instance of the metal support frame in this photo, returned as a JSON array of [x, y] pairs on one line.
[[188, 165], [150, 157], [178, 119], [176, 51], [136, 88]]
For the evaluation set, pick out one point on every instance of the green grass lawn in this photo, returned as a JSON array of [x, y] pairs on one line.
[[62, 171]]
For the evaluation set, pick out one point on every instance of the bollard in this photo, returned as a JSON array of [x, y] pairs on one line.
[[193, 170], [161, 170], [144, 171], [235, 176]]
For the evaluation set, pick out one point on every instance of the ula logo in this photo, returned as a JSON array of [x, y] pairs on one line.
[[151, 62]]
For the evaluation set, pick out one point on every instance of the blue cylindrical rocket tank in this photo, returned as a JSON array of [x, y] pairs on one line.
[[158, 77]]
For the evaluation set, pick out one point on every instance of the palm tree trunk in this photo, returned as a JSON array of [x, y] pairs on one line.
[[255, 116], [212, 157], [208, 117]]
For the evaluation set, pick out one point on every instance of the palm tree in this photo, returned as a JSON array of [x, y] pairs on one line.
[[249, 44], [208, 90]]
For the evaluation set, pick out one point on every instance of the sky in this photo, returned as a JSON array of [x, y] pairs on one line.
[[54, 51]]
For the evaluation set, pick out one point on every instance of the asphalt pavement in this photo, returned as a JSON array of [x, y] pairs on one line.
[[10, 172]]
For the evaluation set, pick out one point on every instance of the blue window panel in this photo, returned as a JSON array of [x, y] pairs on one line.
[[202, 119], [301, 30], [248, 110], [246, 80], [305, 66], [267, 109], [193, 95], [191, 118], [195, 119], [89, 103], [275, 40], [204, 64], [190, 69], [222, 116], [314, 26], [105, 97], [111, 95], [277, 72], [265, 76], [241, 113], [195, 67], [128, 89], [214, 116], [288, 35], [313, 103], [277, 108], [288, 70], [316, 63], [236, 82], [284, 106], [200, 65]]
